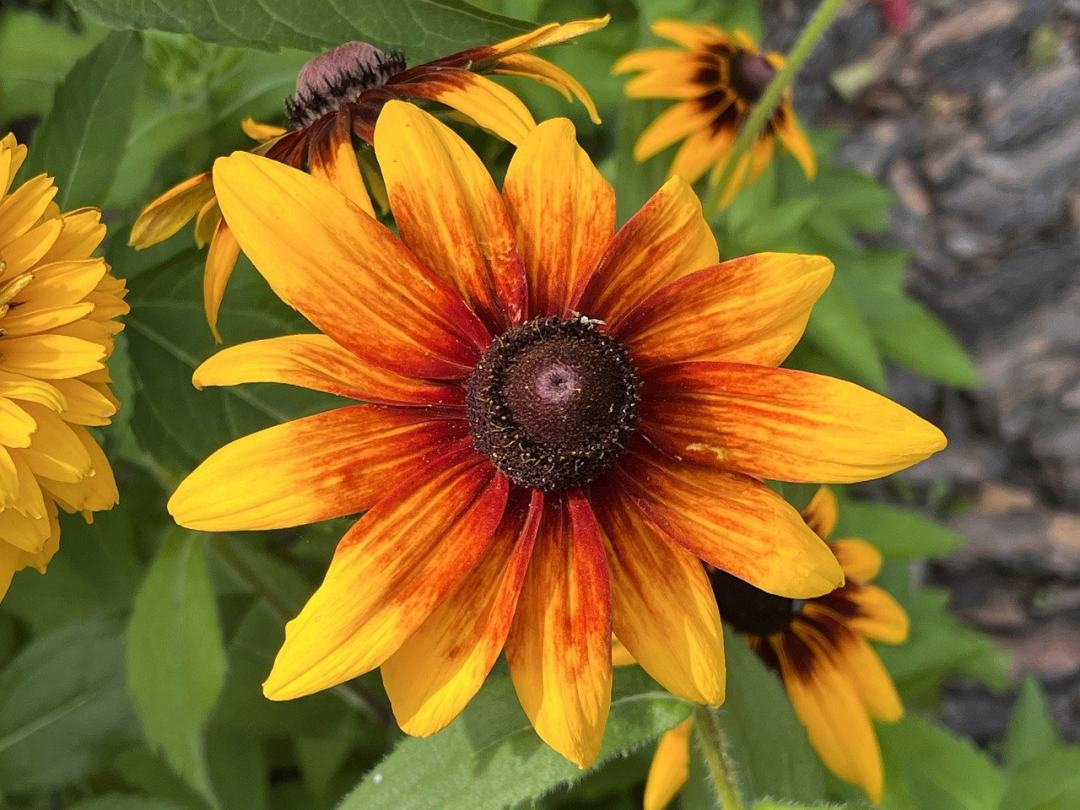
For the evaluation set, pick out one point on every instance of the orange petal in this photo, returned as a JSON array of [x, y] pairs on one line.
[[563, 212], [548, 34], [436, 672], [333, 159], [821, 514], [667, 239], [732, 522], [541, 70], [559, 648], [171, 211], [393, 568], [220, 263], [323, 466], [670, 767], [781, 424], [317, 363], [488, 104], [748, 310], [860, 560], [345, 272], [669, 624], [620, 656], [449, 212]]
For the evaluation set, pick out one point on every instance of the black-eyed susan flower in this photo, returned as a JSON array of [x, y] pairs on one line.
[[820, 647], [716, 76], [58, 310], [339, 95], [555, 412]]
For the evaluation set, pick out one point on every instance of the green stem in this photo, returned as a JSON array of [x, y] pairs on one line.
[[763, 110], [713, 745]]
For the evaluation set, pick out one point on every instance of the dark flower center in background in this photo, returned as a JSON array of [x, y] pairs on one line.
[[337, 77], [552, 402], [750, 610], [750, 75]]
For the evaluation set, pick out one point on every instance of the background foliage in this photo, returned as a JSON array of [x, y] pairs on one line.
[[129, 676]]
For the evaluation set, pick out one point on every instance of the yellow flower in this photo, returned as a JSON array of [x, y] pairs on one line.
[[557, 412], [717, 76], [339, 95], [836, 682], [58, 310]]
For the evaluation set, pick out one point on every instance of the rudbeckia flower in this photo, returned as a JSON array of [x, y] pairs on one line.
[[58, 310], [836, 682], [560, 421], [716, 76], [339, 95]]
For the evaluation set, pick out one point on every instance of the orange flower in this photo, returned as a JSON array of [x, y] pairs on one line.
[[556, 412], [339, 95], [836, 682], [716, 78]]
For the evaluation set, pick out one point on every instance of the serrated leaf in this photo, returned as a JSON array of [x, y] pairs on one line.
[[175, 659], [423, 28], [63, 709], [82, 140], [898, 533], [767, 741], [490, 757]]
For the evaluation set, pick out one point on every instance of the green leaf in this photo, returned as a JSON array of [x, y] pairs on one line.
[[490, 757], [911, 337], [838, 328], [63, 709], [119, 802], [1030, 732], [767, 741], [81, 142], [636, 182], [898, 533], [939, 770], [176, 659], [423, 28]]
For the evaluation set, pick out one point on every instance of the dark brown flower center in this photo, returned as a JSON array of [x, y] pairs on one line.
[[750, 610], [552, 402], [338, 76], [750, 75]]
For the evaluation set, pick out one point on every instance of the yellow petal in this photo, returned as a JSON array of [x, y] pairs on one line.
[[488, 104], [333, 159], [820, 515], [51, 357], [670, 767], [258, 131], [880, 616], [171, 211], [220, 263], [533, 67], [689, 35], [794, 139], [673, 124], [860, 560]]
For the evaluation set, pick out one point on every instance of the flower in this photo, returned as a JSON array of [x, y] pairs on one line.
[[836, 682], [58, 310], [339, 95], [717, 77], [556, 412]]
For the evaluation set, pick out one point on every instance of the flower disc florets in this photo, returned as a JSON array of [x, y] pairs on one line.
[[552, 402], [751, 610], [751, 74], [337, 77]]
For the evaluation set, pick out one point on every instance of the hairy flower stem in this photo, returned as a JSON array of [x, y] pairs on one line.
[[760, 114], [713, 744]]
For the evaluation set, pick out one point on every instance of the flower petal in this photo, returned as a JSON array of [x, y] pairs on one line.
[[547, 73], [545, 35], [867, 674], [669, 623], [675, 123], [171, 211], [667, 239], [670, 767], [703, 150], [748, 310], [333, 159], [220, 263], [781, 424], [315, 468], [345, 272], [732, 522], [439, 668], [860, 560], [821, 514], [790, 132], [318, 363], [880, 617], [490, 105], [563, 212], [449, 212], [559, 648], [689, 35], [390, 571]]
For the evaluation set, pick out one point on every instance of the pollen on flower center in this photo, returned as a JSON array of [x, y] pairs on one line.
[[750, 610], [552, 402], [751, 74], [331, 79]]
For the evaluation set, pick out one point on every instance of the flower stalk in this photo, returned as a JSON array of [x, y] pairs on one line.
[[713, 744]]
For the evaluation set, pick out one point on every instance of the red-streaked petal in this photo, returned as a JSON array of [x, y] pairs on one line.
[[559, 648], [390, 571], [345, 272], [781, 424], [563, 212], [324, 466], [436, 672], [488, 104], [333, 158]]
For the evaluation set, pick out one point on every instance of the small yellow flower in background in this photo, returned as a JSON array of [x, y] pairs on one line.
[[716, 78], [836, 682], [339, 95], [556, 412], [58, 310]]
